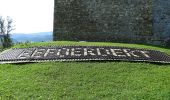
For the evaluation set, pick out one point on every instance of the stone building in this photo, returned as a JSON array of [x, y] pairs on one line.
[[137, 21], [161, 19]]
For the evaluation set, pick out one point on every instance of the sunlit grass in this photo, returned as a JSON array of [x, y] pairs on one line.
[[86, 80]]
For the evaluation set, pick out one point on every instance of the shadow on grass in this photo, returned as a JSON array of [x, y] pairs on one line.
[[93, 61]]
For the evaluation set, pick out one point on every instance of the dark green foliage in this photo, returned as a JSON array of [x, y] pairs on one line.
[[6, 41]]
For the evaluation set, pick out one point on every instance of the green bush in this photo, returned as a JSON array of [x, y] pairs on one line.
[[6, 41]]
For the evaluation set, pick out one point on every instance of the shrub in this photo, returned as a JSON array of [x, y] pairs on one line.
[[6, 41]]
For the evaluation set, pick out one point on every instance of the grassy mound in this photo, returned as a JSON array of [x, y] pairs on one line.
[[85, 80]]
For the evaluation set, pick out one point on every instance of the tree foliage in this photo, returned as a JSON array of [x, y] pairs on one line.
[[5, 28]]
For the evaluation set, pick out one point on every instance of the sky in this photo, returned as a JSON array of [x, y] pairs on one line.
[[29, 16]]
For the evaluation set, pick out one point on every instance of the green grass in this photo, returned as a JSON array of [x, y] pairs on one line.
[[86, 80]]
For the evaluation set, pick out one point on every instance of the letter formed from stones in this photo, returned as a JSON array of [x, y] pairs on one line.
[[117, 52], [145, 53], [50, 52], [38, 53], [104, 53], [76, 52], [26, 54], [89, 51]]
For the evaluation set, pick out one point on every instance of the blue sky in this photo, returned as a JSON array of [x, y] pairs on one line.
[[29, 16]]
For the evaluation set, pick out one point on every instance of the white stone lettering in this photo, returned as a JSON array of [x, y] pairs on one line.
[[85, 51], [72, 52], [76, 52], [133, 53], [126, 51], [49, 51], [67, 52], [107, 52], [25, 54], [145, 53], [130, 53], [59, 52], [98, 51], [38, 53], [117, 52], [89, 51]]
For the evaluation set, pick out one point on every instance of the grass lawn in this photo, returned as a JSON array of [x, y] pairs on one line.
[[86, 80]]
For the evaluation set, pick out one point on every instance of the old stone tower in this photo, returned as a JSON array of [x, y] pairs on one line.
[[111, 20]]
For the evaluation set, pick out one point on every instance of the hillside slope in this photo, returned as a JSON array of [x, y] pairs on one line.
[[86, 80]]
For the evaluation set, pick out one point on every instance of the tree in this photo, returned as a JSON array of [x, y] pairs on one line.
[[5, 29]]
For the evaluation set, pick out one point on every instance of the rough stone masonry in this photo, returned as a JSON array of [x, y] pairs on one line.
[[107, 20]]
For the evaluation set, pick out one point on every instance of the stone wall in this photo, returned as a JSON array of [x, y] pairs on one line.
[[102, 20], [161, 19]]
